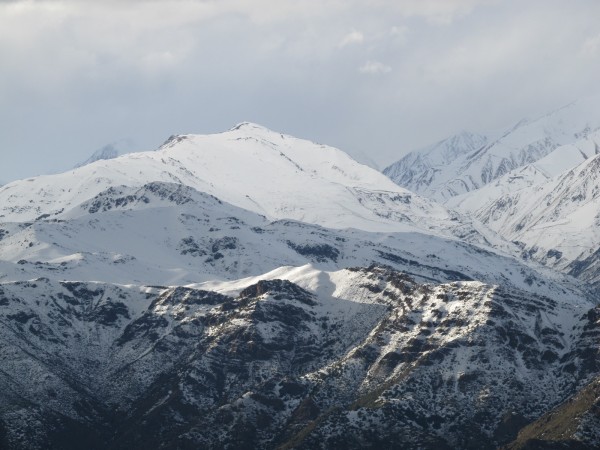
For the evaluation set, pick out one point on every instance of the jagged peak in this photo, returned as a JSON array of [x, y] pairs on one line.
[[109, 151], [173, 140]]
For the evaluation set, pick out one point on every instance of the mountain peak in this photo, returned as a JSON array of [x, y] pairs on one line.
[[249, 126], [253, 129], [109, 151]]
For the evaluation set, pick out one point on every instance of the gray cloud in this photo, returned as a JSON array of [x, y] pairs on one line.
[[77, 75]]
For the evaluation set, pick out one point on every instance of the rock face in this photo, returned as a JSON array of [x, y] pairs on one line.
[[573, 424], [382, 361]]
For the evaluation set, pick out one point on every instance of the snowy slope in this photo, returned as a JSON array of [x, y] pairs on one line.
[[421, 169], [528, 141], [219, 207], [556, 222], [165, 233], [251, 167], [559, 161]]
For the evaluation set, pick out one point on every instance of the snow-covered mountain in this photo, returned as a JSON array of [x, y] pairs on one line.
[[249, 289], [163, 233], [556, 222], [467, 162], [296, 358], [217, 201], [109, 151], [257, 169], [558, 162], [420, 169]]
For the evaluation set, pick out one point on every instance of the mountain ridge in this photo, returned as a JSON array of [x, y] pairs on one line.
[[559, 161], [308, 182], [524, 143]]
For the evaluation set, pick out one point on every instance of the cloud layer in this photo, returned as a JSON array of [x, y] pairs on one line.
[[372, 77]]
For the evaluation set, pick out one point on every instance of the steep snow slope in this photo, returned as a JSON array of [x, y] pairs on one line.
[[439, 178], [323, 361], [556, 222], [561, 160], [419, 169], [256, 169]]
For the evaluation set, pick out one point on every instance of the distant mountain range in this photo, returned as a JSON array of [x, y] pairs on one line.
[[543, 201], [468, 161]]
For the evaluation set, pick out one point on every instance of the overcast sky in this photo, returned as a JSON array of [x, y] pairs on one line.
[[379, 77]]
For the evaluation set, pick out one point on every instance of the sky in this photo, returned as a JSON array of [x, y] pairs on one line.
[[374, 78]]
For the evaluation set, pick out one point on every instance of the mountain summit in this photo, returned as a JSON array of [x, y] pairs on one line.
[[109, 151]]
